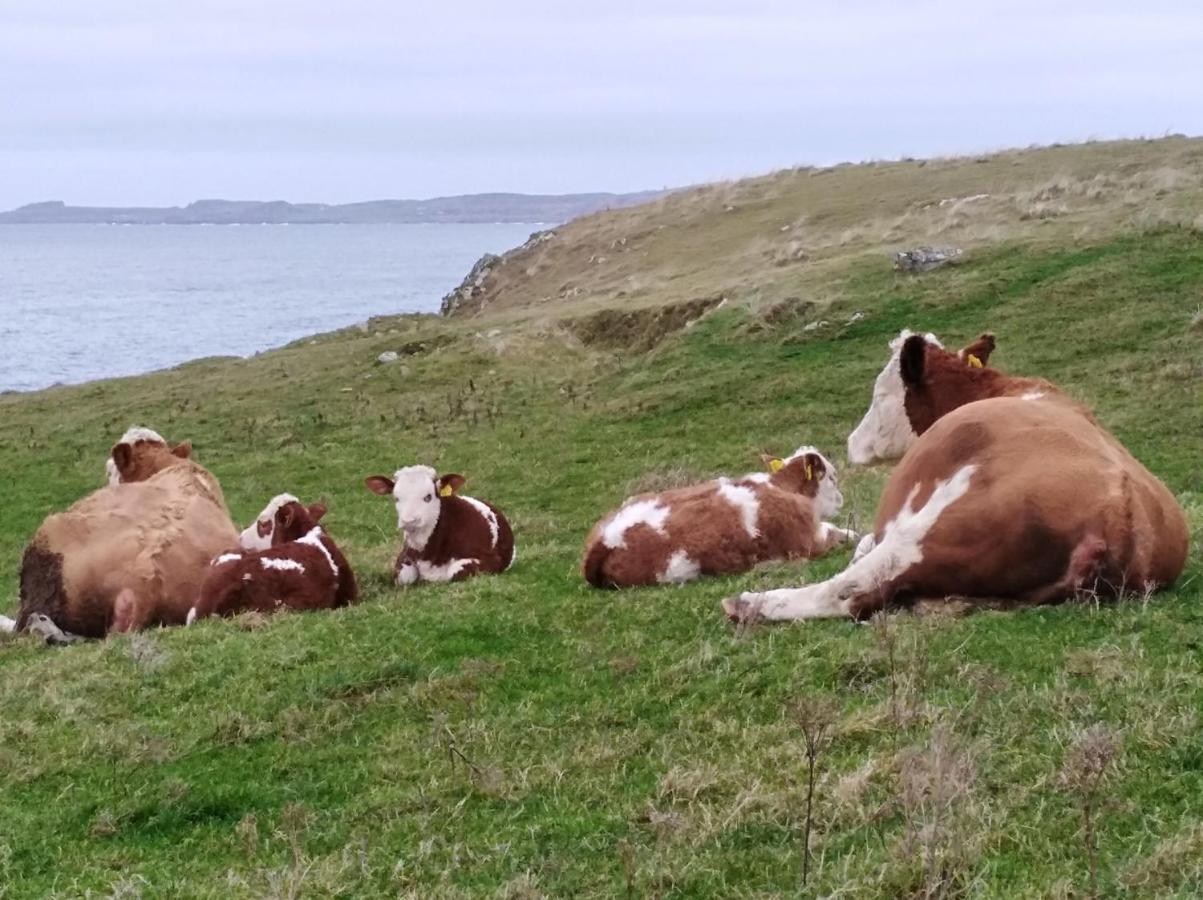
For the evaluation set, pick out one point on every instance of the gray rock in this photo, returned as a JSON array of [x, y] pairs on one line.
[[924, 259], [387, 356]]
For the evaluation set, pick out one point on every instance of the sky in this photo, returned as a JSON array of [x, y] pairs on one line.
[[160, 102]]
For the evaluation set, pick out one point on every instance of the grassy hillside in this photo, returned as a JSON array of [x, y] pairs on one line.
[[525, 736]]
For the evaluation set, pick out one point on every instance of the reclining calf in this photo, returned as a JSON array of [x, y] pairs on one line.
[[300, 568], [719, 527]]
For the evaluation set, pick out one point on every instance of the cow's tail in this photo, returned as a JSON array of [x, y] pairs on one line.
[[591, 566]]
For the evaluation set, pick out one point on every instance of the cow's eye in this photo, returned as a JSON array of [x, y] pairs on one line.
[[429, 497]]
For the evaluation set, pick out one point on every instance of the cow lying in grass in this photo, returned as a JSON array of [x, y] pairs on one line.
[[719, 527], [448, 537], [133, 554], [1008, 491], [301, 568]]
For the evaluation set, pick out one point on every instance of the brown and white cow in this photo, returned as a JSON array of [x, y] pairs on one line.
[[719, 527], [448, 536], [1010, 491], [301, 568], [133, 554]]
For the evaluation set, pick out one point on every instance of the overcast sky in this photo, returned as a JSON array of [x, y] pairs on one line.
[[123, 102]]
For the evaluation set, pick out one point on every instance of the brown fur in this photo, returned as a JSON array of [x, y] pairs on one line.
[[462, 533], [711, 531], [244, 584], [129, 556]]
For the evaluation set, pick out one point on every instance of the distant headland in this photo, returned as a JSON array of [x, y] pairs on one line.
[[464, 209]]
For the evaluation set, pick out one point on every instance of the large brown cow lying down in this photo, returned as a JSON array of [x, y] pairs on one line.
[[133, 554], [1019, 497], [719, 527]]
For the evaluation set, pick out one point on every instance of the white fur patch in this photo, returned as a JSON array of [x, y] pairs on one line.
[[407, 574], [226, 558], [867, 543], [417, 516], [680, 569], [191, 617], [757, 477], [250, 538], [246, 577], [314, 539], [901, 547], [110, 471], [136, 433], [641, 512], [745, 502], [445, 572], [282, 565], [488, 515], [7, 624], [1033, 395]]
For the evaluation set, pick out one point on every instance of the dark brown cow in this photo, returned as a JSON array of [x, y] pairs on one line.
[[1019, 496], [131, 555], [719, 527], [448, 537], [302, 569]]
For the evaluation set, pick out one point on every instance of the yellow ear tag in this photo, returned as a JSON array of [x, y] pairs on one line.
[[776, 465], [810, 472], [974, 362], [446, 490]]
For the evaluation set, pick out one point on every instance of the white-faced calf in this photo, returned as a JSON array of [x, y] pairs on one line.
[[301, 568], [448, 537], [719, 527]]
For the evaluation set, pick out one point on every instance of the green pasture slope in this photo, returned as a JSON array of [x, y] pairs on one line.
[[526, 736]]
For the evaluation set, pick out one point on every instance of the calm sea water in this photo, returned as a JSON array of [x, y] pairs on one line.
[[79, 302]]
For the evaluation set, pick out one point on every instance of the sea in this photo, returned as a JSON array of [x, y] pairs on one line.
[[81, 302]]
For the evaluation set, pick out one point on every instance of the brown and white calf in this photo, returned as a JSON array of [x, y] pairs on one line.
[[448, 536], [301, 568], [1008, 491], [719, 527], [133, 554]]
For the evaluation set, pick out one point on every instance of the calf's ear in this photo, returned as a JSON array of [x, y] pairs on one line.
[[815, 467], [183, 450], [123, 457], [379, 484], [978, 353], [774, 463], [450, 483], [912, 360], [317, 510]]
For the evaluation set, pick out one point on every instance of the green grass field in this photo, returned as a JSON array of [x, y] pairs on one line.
[[525, 736]]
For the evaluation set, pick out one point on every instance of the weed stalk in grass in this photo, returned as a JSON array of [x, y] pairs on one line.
[[816, 719], [1088, 763]]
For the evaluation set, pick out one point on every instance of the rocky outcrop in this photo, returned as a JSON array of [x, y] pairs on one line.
[[472, 292], [924, 259]]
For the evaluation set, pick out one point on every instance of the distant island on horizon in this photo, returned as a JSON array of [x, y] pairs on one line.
[[463, 209]]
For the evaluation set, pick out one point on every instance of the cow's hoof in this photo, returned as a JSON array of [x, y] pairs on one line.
[[741, 610]]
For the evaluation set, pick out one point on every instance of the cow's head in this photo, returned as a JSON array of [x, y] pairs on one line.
[[293, 520], [418, 492], [258, 535], [140, 454], [808, 472], [904, 403]]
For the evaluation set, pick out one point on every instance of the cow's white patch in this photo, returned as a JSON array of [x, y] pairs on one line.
[[745, 502], [136, 433], [8, 625], [885, 432], [830, 535], [1032, 395], [488, 515], [757, 477], [901, 547], [407, 574], [226, 558], [251, 539], [444, 572], [680, 569], [641, 512], [191, 617], [246, 577], [314, 539], [867, 543], [282, 565], [110, 471], [416, 496]]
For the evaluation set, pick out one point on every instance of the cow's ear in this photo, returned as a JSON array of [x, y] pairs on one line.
[[773, 463], [814, 466], [183, 450], [317, 510], [978, 353], [379, 484], [284, 518], [123, 457], [450, 483], [912, 360]]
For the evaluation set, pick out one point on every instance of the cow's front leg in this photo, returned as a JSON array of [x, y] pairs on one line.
[[831, 536]]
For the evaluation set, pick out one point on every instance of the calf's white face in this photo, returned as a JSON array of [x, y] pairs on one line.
[[828, 499], [258, 535], [885, 432], [133, 435]]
